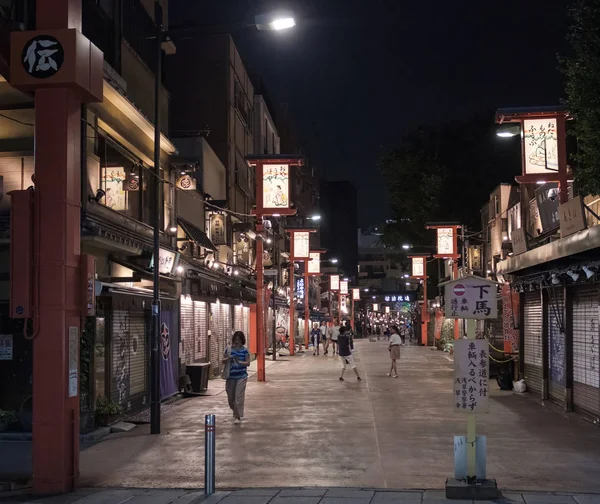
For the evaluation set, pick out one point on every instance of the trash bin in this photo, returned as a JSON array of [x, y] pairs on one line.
[[198, 374]]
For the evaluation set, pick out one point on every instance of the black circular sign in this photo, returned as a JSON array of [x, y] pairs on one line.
[[42, 56]]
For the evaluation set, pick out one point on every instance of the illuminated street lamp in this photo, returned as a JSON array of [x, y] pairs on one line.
[[406, 246], [508, 130], [315, 217], [333, 261], [274, 22]]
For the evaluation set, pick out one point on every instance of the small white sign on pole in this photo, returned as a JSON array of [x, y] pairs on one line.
[[471, 376], [471, 298]]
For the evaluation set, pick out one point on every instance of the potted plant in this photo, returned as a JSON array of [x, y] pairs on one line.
[[7, 418], [107, 411]]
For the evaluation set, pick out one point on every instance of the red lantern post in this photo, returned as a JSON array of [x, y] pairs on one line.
[[272, 198], [419, 271]]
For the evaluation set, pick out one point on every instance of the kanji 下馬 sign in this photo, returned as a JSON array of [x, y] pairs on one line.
[[471, 298]]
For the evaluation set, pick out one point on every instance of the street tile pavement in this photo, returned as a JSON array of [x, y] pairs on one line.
[[287, 496]]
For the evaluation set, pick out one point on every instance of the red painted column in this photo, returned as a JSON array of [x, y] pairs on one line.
[[57, 201], [352, 319], [424, 313], [260, 307], [292, 330]]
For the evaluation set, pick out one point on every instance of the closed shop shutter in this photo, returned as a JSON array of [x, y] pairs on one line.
[[586, 370], [556, 344], [201, 331], [226, 314], [129, 357], [215, 338], [533, 341], [187, 332]]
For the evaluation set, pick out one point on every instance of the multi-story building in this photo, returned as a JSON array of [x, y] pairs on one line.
[[117, 178]]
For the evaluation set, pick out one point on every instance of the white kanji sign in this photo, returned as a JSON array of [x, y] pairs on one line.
[[471, 376], [471, 298], [43, 56]]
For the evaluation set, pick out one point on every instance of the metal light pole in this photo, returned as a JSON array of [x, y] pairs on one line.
[[306, 307], [155, 358]]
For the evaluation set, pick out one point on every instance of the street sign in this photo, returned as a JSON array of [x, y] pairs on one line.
[[270, 272], [471, 372], [471, 298]]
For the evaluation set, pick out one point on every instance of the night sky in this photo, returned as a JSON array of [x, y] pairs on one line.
[[358, 74]]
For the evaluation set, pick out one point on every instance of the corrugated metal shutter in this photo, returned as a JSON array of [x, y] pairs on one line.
[[201, 331], [215, 338], [187, 332], [556, 344], [227, 324], [129, 357], [586, 368], [533, 341]]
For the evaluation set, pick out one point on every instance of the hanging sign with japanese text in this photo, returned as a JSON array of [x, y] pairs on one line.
[[541, 146], [471, 298], [334, 282], [547, 202], [471, 372], [301, 244], [344, 287], [276, 186], [572, 217], [356, 294], [218, 229], [418, 267], [314, 265], [519, 241], [387, 310], [6, 346], [445, 241], [375, 307], [167, 262]]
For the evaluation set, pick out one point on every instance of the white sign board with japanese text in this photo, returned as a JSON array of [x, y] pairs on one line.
[[314, 265], [344, 287], [445, 241], [276, 186], [471, 298], [166, 263], [418, 267], [471, 376], [541, 146], [356, 294], [301, 244], [334, 282]]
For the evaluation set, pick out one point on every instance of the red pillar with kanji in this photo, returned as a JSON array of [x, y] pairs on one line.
[[64, 70]]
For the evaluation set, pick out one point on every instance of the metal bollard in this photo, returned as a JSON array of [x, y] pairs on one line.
[[209, 454]]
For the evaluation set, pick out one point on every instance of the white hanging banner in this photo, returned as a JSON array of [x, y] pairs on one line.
[[334, 282], [356, 294], [314, 265], [301, 244], [445, 241], [418, 267], [344, 287]]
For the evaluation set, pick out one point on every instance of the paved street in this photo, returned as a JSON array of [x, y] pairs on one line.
[[305, 428], [291, 496]]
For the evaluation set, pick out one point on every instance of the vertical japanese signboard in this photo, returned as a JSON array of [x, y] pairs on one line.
[[445, 241], [314, 265], [541, 146], [356, 294], [334, 282], [301, 244], [344, 287], [418, 267], [471, 373], [471, 298], [276, 187]]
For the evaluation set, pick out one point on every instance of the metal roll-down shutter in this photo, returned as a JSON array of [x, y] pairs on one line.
[[201, 331], [586, 369], [187, 332], [556, 344], [532, 348]]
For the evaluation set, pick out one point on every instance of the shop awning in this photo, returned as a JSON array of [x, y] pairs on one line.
[[577, 243], [197, 235]]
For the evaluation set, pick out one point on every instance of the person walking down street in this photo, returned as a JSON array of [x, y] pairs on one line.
[[335, 333], [316, 339], [387, 333], [235, 386], [394, 349], [345, 347]]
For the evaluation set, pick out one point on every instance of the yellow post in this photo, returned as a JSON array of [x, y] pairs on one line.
[[471, 428]]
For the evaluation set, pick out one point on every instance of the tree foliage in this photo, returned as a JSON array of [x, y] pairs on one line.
[[582, 72], [445, 173]]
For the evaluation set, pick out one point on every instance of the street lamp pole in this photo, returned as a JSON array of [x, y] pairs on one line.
[[306, 307], [155, 335]]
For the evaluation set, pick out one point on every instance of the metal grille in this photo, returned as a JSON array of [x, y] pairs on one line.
[[556, 344], [215, 331], [238, 319], [129, 358], [187, 332], [201, 331], [227, 324], [533, 341], [586, 370]]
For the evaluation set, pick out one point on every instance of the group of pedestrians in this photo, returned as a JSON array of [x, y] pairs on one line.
[[339, 337]]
